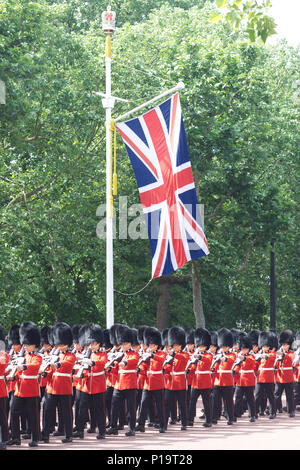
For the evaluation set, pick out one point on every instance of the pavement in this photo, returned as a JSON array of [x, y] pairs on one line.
[[282, 433]]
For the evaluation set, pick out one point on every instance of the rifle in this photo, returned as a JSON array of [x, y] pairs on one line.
[[279, 357], [217, 359], [296, 356], [169, 358], [194, 359], [145, 357], [51, 358], [86, 355], [238, 361], [116, 356], [18, 361]]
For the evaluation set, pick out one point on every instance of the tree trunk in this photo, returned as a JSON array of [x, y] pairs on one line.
[[197, 297], [164, 287]]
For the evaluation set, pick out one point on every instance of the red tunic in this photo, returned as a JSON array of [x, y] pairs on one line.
[[265, 372], [61, 383], [177, 371], [28, 383], [154, 378], [127, 374], [202, 377], [284, 369], [94, 379], [246, 372], [224, 376], [4, 359]]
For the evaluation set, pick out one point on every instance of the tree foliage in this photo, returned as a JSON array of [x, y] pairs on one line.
[[241, 119]]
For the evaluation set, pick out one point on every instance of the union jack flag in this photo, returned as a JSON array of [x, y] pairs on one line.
[[157, 147]]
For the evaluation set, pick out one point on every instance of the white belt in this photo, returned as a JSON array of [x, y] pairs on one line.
[[266, 368], [202, 372], [224, 371], [178, 373], [2, 377], [154, 371], [60, 374], [246, 371], [285, 368], [124, 371], [94, 374], [29, 376]]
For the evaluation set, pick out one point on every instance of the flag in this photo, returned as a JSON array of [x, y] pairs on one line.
[[157, 147]]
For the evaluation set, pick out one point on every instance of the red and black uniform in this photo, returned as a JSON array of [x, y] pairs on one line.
[[4, 359], [176, 387], [27, 397], [125, 389], [200, 369], [152, 371], [93, 388], [223, 386], [59, 393], [244, 372], [265, 381], [284, 378], [296, 365]]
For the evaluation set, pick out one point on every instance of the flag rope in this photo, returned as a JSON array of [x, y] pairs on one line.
[[113, 163], [134, 293]]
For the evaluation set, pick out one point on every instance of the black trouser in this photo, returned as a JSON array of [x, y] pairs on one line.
[[225, 393], [170, 398], [267, 389], [108, 398], [206, 398], [290, 401], [4, 419], [119, 398], [146, 402], [248, 394], [32, 409], [64, 402], [96, 403], [297, 393]]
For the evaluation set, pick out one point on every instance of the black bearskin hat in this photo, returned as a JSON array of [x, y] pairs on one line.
[[62, 334], [213, 338], [189, 335], [286, 336], [244, 341], [152, 336], [140, 333], [225, 338], [264, 339], [75, 332], [164, 335], [94, 332], [253, 335], [2, 334], [176, 335], [113, 333], [30, 334], [124, 334], [135, 341], [46, 335], [106, 339], [274, 340], [14, 335], [235, 335], [202, 337]]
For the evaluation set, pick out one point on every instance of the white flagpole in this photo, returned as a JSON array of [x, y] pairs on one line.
[[108, 21], [179, 86]]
